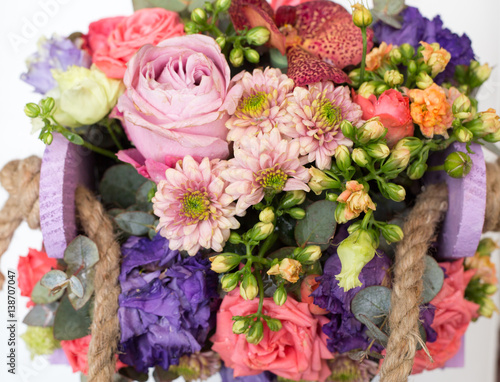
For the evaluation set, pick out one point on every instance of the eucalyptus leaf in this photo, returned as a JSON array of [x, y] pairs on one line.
[[161, 375], [76, 286], [374, 331], [86, 278], [132, 374], [433, 279], [285, 226], [171, 5], [43, 295], [54, 279], [135, 223], [373, 302], [393, 21], [80, 254], [282, 253], [41, 315], [319, 225], [70, 324], [142, 196], [119, 185]]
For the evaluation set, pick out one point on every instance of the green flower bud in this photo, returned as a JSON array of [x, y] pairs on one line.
[[241, 326], [424, 80], [47, 105], [355, 75], [412, 67], [378, 150], [199, 16], [234, 238], [486, 123], [340, 213], [252, 56], [462, 107], [236, 57], [256, 333], [354, 227], [331, 197], [490, 289], [463, 134], [487, 307], [393, 78], [354, 252], [293, 198], [32, 110], [248, 287], [381, 88], [486, 246], [479, 74], [320, 181], [222, 5], [221, 41], [280, 296], [396, 56], [348, 129], [47, 138], [40, 341], [191, 28], [458, 164], [309, 254], [407, 51], [394, 191], [208, 6], [224, 262], [297, 213], [258, 36], [397, 161], [360, 157], [392, 233], [343, 157], [266, 215], [361, 16], [230, 281], [367, 89], [371, 130], [274, 324], [261, 231], [416, 170], [411, 143]]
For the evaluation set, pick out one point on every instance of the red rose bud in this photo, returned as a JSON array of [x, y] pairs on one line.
[[458, 164]]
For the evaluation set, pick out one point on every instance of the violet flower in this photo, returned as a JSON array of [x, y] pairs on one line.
[[226, 374], [54, 53], [166, 305], [417, 28]]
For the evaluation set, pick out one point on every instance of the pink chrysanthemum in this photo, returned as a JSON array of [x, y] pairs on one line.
[[263, 103], [317, 112], [265, 164], [193, 208]]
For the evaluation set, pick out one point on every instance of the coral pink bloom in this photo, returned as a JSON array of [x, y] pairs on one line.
[[193, 208], [317, 112], [264, 164], [262, 105]]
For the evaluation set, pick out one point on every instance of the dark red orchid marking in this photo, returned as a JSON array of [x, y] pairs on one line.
[[319, 37]]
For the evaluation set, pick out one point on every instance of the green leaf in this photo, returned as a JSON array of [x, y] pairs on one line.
[[132, 374], [433, 279], [374, 331], [72, 137], [86, 278], [389, 11], [393, 21], [373, 302], [142, 197], [135, 223], [80, 254], [70, 324], [282, 253], [54, 279], [171, 5], [193, 4], [119, 185], [41, 315], [319, 225], [43, 295], [76, 286], [161, 375], [285, 226]]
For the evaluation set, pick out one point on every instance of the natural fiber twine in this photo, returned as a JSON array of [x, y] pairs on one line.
[[21, 179]]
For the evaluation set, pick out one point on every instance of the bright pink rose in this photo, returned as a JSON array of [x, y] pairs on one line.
[[452, 317], [298, 351], [177, 99], [76, 352], [113, 41], [31, 269], [393, 109]]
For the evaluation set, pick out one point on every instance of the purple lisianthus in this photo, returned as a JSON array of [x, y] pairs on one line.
[[54, 53], [416, 28], [167, 303], [227, 375]]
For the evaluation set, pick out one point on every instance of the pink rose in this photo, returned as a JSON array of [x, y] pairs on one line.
[[113, 41], [298, 351], [393, 109], [31, 269], [452, 317], [177, 99]]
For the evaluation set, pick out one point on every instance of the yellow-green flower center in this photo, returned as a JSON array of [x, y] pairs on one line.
[[330, 113], [272, 179], [253, 105], [196, 205]]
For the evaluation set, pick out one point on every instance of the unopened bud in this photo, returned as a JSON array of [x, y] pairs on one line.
[[209, 7], [490, 289], [479, 74], [222, 5], [261, 231], [348, 129], [240, 326], [221, 41], [234, 238], [424, 80], [199, 16], [236, 57], [274, 324], [394, 191], [397, 161], [293, 198], [230, 281], [396, 56], [309, 254], [381, 88], [258, 36], [407, 51], [252, 56], [360, 157], [361, 16], [331, 197], [371, 130], [412, 67], [320, 181], [411, 143], [343, 157], [224, 262], [32, 110], [191, 28], [256, 332], [462, 107], [367, 89], [280, 295], [378, 150], [355, 75], [416, 170], [266, 215], [47, 138], [486, 246], [487, 307], [463, 134], [340, 217], [458, 164], [392, 233], [248, 287], [297, 213], [393, 78], [47, 105]]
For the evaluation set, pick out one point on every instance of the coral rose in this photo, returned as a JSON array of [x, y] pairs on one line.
[[31, 269], [178, 98], [451, 319], [393, 110], [113, 41], [298, 351]]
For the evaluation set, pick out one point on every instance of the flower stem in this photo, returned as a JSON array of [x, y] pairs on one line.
[[363, 59], [267, 244], [258, 276], [367, 219], [107, 123], [99, 150]]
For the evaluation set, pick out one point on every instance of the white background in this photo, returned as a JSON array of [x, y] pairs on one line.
[[21, 24]]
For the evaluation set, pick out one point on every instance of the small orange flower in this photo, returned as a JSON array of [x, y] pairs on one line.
[[485, 269], [436, 57], [289, 269], [375, 58], [357, 200], [431, 110]]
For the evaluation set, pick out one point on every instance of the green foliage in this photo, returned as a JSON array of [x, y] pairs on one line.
[[136, 223], [319, 225], [120, 185], [70, 324], [388, 11], [433, 279], [41, 315], [372, 302], [43, 295]]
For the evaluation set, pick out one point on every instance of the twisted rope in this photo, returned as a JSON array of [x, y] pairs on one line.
[[105, 328], [409, 268], [21, 179]]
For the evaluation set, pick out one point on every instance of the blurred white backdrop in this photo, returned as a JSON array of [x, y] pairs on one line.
[[23, 22]]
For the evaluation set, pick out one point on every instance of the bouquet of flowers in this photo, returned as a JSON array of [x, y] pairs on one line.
[[269, 182]]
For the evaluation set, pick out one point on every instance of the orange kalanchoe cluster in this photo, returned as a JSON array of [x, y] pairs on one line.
[[356, 199], [375, 58], [436, 57], [431, 110]]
